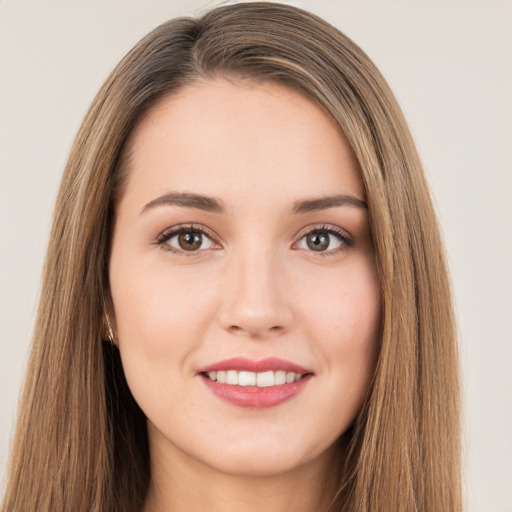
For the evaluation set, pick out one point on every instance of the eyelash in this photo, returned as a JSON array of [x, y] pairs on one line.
[[342, 236], [166, 235]]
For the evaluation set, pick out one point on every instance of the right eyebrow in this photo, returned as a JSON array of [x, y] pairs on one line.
[[188, 200], [322, 203]]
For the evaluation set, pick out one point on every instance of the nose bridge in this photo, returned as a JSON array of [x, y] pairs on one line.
[[256, 302]]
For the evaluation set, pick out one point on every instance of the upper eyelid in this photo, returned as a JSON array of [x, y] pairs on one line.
[[162, 239], [173, 231], [344, 237], [331, 228]]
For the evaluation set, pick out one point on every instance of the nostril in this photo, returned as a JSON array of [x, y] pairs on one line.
[[236, 329]]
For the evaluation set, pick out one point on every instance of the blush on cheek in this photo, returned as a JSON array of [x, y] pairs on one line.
[[347, 320]]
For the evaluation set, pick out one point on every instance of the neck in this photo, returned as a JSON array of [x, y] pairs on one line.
[[191, 485]]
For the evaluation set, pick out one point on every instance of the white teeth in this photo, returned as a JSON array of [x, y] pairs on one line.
[[247, 379], [260, 379], [265, 379], [232, 377], [280, 377]]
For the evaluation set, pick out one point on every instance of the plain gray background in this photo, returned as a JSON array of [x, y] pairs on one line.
[[450, 65]]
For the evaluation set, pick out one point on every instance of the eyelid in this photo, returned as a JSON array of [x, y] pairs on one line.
[[345, 237], [170, 232]]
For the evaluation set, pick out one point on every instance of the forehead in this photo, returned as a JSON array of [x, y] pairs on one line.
[[226, 139]]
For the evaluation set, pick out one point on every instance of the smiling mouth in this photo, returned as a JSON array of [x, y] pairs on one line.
[[255, 384], [258, 379]]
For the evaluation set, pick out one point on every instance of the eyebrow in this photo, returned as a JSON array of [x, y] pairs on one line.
[[188, 200], [322, 203], [212, 204]]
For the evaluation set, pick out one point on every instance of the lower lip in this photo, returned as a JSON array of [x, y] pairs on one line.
[[255, 397]]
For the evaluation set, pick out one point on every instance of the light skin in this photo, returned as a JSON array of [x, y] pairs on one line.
[[271, 271]]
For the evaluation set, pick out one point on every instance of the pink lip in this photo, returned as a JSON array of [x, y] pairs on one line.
[[253, 396], [249, 365]]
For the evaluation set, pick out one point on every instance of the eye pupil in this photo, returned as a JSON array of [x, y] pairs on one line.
[[190, 240], [317, 241]]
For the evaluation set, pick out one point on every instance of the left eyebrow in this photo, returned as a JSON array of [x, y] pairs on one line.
[[187, 200], [322, 203]]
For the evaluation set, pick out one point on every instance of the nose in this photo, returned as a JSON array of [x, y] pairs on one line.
[[256, 303]]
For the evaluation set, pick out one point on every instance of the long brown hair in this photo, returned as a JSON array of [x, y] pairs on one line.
[[81, 440]]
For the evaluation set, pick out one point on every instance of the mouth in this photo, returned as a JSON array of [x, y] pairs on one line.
[[255, 384], [260, 379]]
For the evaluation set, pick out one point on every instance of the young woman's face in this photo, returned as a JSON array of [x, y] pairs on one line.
[[245, 295]]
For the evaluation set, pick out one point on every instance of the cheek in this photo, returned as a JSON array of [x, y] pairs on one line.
[[345, 300], [344, 320], [161, 316]]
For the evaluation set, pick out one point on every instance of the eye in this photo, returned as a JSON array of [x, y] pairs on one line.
[[186, 239], [325, 239]]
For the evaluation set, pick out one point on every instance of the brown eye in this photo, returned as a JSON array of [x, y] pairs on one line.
[[317, 241], [189, 240], [323, 240]]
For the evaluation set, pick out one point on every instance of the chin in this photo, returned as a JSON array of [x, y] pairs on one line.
[[258, 466], [268, 458]]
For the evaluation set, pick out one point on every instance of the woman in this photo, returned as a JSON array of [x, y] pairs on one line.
[[244, 220]]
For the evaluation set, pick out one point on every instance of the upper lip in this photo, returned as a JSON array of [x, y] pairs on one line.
[[252, 365]]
